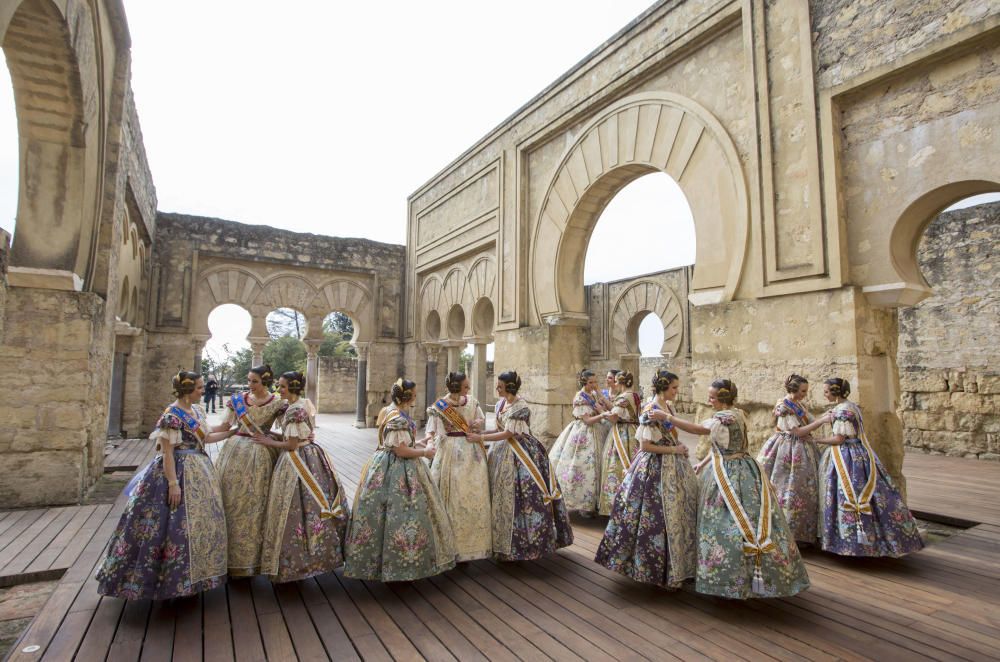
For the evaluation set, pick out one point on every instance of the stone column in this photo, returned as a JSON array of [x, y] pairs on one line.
[[480, 386], [198, 346], [630, 362], [362, 399], [454, 356], [312, 368], [257, 347], [430, 376]]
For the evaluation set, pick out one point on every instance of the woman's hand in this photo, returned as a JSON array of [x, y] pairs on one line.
[[657, 414], [681, 449], [429, 452], [174, 494], [477, 425], [261, 439]]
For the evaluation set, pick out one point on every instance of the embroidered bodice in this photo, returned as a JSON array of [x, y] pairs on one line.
[[729, 432], [514, 416], [263, 414], [171, 431], [395, 428], [662, 433], [297, 421]]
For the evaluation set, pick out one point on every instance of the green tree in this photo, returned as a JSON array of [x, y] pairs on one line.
[[284, 354], [239, 365], [338, 323]]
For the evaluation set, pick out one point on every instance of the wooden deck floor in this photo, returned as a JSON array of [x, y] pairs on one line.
[[942, 603]]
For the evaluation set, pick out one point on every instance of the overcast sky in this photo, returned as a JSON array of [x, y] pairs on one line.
[[324, 116]]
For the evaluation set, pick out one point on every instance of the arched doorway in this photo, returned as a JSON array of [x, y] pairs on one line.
[[946, 356], [227, 355], [339, 367], [637, 271], [481, 347]]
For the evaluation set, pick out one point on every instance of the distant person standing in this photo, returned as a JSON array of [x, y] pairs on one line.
[[211, 390]]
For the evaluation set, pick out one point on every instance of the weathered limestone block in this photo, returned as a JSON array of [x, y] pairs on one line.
[[44, 477], [338, 382]]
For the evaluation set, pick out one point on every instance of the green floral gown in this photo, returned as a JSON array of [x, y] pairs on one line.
[[399, 530], [742, 551]]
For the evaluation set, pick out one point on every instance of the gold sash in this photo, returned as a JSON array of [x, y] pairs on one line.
[[453, 416], [550, 491], [328, 507], [852, 501], [755, 543], [621, 448]]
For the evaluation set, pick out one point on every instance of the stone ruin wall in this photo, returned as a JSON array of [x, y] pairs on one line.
[[949, 357], [182, 240], [337, 385]]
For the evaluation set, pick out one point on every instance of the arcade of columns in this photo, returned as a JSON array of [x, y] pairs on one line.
[[813, 140]]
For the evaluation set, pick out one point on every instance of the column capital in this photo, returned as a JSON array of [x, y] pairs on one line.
[[432, 350], [258, 341], [362, 349], [312, 348]]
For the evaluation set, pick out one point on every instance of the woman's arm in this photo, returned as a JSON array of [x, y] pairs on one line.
[[408, 452], [499, 435], [806, 430], [170, 471], [680, 423], [650, 447], [218, 435], [291, 443]]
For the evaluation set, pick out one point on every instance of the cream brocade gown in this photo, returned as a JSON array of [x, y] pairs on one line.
[[461, 473], [245, 477]]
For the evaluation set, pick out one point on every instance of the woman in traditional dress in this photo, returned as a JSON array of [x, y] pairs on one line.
[[575, 456], [789, 459], [171, 539], [621, 444], [399, 530], [861, 513], [307, 512], [745, 548], [245, 469], [529, 518], [652, 533], [460, 470]]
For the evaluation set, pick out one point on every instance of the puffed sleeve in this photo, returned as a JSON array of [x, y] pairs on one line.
[[845, 423], [435, 426], [582, 408], [397, 433], [295, 423], [230, 418], [719, 434], [649, 432], [620, 408], [167, 432], [519, 421], [785, 418]]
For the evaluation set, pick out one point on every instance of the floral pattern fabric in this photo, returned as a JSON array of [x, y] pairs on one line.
[[298, 541], [651, 535], [245, 475], [399, 530], [724, 568], [524, 526], [890, 529], [158, 552], [461, 474], [626, 407], [574, 458], [791, 463]]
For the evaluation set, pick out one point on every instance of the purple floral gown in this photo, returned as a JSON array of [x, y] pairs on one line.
[[791, 463], [620, 446], [575, 457], [529, 518], [652, 534], [307, 512], [886, 527], [158, 552]]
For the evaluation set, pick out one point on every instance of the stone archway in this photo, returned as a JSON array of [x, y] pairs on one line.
[[633, 305], [641, 134]]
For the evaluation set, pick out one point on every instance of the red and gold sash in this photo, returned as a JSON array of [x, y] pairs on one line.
[[453, 416], [854, 501]]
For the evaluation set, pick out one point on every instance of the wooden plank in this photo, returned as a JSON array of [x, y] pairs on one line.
[[420, 634], [71, 553], [335, 640], [158, 642], [33, 549], [187, 643], [54, 549], [304, 637], [101, 633], [274, 632], [218, 630], [23, 532], [131, 632], [367, 643], [248, 645], [387, 631], [449, 635]]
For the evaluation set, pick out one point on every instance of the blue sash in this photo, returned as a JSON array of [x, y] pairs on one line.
[[666, 425], [590, 400], [190, 421], [239, 404], [797, 409]]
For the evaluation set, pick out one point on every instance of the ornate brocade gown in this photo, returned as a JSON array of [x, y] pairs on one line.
[[307, 512], [158, 552], [245, 475], [652, 533], [869, 517], [745, 548], [530, 520], [620, 448], [574, 457], [399, 530], [461, 474], [791, 462]]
